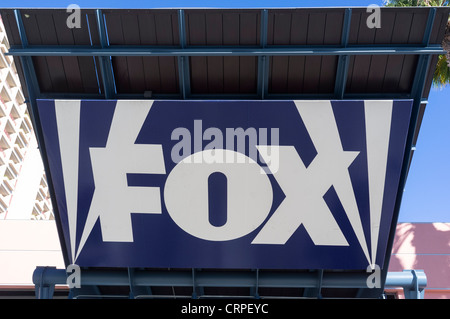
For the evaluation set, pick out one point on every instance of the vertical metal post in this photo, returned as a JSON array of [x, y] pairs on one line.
[[342, 68], [263, 61], [105, 61]]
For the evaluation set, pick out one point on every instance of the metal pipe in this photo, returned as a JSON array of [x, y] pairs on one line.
[[405, 279], [413, 282]]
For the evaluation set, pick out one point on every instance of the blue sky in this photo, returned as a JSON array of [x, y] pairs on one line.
[[427, 193]]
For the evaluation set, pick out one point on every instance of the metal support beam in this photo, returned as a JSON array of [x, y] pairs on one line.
[[136, 290], [33, 88], [45, 278], [180, 278], [315, 292], [319, 283], [429, 27], [254, 291], [197, 290], [183, 61], [263, 61], [234, 96], [225, 51], [105, 61], [343, 62]]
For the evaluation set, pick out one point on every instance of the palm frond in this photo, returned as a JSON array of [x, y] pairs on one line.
[[441, 75]]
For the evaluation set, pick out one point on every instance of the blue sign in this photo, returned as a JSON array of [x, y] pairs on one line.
[[225, 184]]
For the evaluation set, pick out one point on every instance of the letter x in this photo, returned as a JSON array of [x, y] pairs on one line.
[[305, 187]]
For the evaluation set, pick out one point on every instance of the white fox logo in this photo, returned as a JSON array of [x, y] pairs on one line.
[[185, 193]]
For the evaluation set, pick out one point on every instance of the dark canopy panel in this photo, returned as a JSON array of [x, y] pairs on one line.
[[305, 53], [287, 74]]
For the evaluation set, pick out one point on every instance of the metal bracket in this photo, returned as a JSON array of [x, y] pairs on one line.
[[413, 282], [319, 286], [105, 61], [254, 290], [135, 290], [43, 289], [417, 288], [197, 291]]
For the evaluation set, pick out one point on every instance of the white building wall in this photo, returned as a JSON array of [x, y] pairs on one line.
[[24, 245], [23, 201], [24, 198], [23, 188]]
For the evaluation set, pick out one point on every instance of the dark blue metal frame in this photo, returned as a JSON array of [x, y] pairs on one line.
[[225, 51], [183, 62], [413, 282], [342, 69], [105, 61], [263, 60], [45, 278]]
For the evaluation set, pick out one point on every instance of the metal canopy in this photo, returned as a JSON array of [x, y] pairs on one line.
[[320, 53]]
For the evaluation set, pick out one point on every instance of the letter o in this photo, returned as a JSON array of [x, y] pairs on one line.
[[248, 203]]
